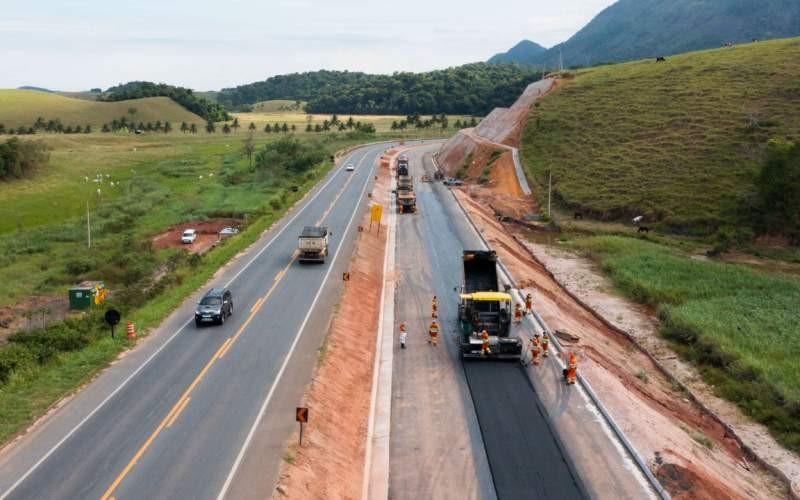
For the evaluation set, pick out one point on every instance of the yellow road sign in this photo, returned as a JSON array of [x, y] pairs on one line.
[[376, 213]]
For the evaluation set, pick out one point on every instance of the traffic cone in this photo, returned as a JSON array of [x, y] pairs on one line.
[[131, 331]]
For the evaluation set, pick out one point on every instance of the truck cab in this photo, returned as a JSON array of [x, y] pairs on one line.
[[313, 244]]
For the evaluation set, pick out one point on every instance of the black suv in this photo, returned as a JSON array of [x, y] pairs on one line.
[[215, 306]]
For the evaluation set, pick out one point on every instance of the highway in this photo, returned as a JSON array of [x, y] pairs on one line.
[[178, 416], [500, 420]]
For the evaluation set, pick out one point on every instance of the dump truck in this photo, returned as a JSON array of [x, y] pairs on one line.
[[402, 166], [406, 198], [313, 244], [483, 306]]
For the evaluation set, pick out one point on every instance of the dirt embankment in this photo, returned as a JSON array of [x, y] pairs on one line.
[[207, 235], [330, 463], [690, 451]]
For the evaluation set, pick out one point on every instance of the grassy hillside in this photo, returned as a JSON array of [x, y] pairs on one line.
[[23, 107], [678, 141], [278, 105]]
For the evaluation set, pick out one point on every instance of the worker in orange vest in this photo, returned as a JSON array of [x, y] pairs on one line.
[[517, 314], [485, 345], [536, 350], [433, 333], [571, 371], [434, 307], [545, 345], [403, 335], [528, 304]]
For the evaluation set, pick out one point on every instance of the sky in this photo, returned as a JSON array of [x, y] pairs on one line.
[[205, 45]]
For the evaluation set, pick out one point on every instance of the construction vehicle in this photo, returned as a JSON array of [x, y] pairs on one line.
[[482, 306], [402, 166], [313, 244], [406, 198]]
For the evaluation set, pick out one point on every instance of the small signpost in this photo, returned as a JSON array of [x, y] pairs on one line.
[[376, 212], [112, 317], [301, 415]]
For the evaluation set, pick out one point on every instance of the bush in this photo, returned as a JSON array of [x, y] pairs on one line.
[[13, 358]]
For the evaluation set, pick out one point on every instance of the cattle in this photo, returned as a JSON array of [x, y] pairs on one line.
[[644, 229], [578, 216], [661, 59]]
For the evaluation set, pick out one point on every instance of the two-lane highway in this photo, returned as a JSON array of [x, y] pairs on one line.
[[180, 426]]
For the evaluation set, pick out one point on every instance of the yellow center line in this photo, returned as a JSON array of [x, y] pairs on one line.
[[172, 415], [175, 415]]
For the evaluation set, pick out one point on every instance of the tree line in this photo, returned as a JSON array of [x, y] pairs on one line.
[[20, 159], [472, 89], [183, 96]]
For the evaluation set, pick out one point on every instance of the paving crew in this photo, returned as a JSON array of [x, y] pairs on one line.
[[528, 304], [571, 371], [403, 335], [434, 307], [517, 313], [536, 350], [485, 344], [433, 333], [545, 345]]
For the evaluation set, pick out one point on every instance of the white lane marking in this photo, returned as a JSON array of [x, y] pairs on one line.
[[80, 424], [276, 381]]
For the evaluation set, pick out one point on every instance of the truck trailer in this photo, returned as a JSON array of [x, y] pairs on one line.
[[483, 306], [406, 198], [313, 244]]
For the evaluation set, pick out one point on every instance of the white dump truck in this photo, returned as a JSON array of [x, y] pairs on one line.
[[313, 244]]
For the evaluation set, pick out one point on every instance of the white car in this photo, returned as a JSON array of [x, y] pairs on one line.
[[189, 236], [350, 167]]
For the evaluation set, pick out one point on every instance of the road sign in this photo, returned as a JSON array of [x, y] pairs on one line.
[[301, 415], [376, 213], [112, 317]]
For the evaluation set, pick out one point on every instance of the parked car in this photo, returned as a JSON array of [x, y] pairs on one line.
[[215, 306], [350, 167], [227, 232], [452, 181], [189, 236]]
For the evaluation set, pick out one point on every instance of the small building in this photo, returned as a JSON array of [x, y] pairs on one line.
[[86, 294]]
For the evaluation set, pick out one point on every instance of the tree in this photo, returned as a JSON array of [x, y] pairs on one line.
[[87, 129], [350, 122], [294, 128], [317, 128], [285, 128], [157, 126], [184, 127], [458, 124], [394, 125], [167, 127], [252, 127], [226, 129], [19, 159], [309, 128], [473, 122], [276, 128], [248, 148], [268, 128], [210, 127], [193, 128], [778, 187], [235, 126], [106, 128]]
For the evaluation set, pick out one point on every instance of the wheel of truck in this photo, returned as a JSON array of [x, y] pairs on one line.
[[198, 323], [222, 319]]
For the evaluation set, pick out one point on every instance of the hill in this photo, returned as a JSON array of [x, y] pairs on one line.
[[680, 141], [636, 29], [525, 52], [279, 106], [472, 89], [209, 110], [23, 107]]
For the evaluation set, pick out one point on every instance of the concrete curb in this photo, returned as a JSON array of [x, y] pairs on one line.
[[376, 457], [690, 395], [658, 489]]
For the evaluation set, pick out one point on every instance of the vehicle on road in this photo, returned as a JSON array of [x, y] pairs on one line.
[[452, 181], [406, 198], [482, 306], [350, 167], [215, 306], [313, 244], [402, 165], [189, 236]]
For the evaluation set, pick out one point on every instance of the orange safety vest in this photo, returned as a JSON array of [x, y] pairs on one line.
[[528, 302], [434, 330]]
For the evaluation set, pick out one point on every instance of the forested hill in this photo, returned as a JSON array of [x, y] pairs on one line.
[[183, 96], [639, 29], [472, 89]]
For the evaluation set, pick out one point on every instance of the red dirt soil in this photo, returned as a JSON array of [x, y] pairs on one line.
[[331, 462], [207, 235], [656, 418]]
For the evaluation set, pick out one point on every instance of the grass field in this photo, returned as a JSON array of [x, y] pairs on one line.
[[738, 325], [678, 141], [279, 106], [23, 107], [383, 123]]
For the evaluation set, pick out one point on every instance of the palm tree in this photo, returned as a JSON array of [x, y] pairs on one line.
[[167, 127], [268, 128], [210, 127], [252, 127], [184, 127], [235, 124], [193, 128], [226, 129]]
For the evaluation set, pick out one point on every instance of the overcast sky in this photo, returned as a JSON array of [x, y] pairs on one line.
[[79, 44]]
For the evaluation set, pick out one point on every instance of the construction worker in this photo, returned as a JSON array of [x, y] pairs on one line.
[[434, 307], [517, 314], [485, 345], [536, 350], [545, 345], [403, 335], [571, 371], [433, 333], [528, 304]]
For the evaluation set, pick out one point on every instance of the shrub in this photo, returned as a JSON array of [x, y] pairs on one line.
[[13, 358]]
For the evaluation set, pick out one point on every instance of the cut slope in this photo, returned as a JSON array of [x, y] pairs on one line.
[[23, 107], [677, 141]]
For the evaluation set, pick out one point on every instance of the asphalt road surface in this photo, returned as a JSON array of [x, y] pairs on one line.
[[525, 456], [177, 423]]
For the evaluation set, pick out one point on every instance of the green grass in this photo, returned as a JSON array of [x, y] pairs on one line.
[[383, 123], [738, 325], [678, 141], [23, 107], [279, 106]]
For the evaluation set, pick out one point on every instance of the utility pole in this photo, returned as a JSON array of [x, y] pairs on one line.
[[549, 193], [560, 60], [88, 227]]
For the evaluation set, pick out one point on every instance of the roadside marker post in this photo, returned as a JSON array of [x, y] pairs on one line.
[[112, 317], [301, 416]]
